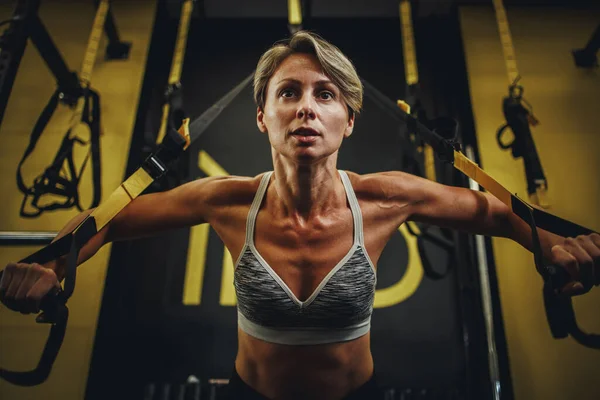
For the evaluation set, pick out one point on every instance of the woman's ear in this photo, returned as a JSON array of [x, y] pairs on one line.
[[260, 120], [350, 126]]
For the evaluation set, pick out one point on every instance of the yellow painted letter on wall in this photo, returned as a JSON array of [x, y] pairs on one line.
[[196, 258], [411, 279]]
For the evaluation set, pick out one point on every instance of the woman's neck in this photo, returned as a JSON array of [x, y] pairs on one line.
[[308, 191]]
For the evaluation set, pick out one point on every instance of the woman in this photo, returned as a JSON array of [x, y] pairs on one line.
[[306, 236]]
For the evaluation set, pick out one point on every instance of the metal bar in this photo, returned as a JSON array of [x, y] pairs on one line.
[[594, 43], [12, 46], [47, 49], [586, 57], [486, 299], [24, 238]]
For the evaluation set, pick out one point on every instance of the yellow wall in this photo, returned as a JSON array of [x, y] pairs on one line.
[[119, 84], [566, 100]]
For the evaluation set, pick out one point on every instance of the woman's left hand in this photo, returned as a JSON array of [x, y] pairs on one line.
[[580, 257]]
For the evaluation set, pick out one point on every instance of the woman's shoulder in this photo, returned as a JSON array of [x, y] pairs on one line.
[[384, 196], [381, 184], [232, 189]]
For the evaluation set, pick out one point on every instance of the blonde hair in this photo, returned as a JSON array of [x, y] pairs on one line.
[[335, 64]]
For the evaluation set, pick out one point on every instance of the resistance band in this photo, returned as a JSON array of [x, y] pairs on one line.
[[62, 178]]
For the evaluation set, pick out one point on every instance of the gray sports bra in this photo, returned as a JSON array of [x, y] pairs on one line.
[[339, 309]]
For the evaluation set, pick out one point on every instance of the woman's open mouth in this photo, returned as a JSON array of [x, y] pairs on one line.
[[305, 135]]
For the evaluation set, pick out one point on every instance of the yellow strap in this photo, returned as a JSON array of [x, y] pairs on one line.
[[294, 12], [177, 63], [428, 155], [408, 44], [182, 34], [507, 43], [91, 51], [163, 123], [89, 59], [412, 75], [540, 196], [404, 106], [129, 190], [473, 171]]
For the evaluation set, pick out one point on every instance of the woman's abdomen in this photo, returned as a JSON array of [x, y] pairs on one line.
[[327, 371]]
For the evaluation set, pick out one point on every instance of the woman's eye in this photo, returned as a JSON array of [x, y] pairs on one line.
[[287, 93], [326, 95]]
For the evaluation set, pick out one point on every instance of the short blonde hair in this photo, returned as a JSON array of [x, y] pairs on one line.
[[335, 64]]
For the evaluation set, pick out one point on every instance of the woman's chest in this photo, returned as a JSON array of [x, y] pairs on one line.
[[303, 257]]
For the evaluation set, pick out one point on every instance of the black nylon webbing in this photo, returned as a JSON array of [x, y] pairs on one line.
[[53, 181]]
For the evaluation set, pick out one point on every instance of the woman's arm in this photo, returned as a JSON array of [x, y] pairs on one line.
[[481, 213], [446, 206], [23, 286], [189, 204]]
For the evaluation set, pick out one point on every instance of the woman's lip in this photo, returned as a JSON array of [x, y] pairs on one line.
[[305, 138]]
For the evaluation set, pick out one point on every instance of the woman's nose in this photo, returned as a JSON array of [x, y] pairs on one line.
[[305, 109]]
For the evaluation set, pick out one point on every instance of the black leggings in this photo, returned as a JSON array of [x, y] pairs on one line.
[[239, 390]]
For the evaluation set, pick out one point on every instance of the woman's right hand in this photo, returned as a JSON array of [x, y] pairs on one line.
[[23, 286]]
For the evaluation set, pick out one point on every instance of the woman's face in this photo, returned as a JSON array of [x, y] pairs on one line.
[[304, 115]]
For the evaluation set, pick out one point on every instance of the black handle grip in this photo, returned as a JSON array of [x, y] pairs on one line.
[[499, 136], [557, 277], [51, 305]]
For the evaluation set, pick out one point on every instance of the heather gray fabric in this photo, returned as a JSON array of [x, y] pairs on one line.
[[339, 309]]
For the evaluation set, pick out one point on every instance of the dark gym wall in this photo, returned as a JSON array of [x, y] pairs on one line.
[[118, 83], [565, 99]]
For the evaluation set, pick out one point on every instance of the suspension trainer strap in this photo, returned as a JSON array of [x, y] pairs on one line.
[[153, 168], [424, 235], [554, 278], [62, 178], [53, 305], [173, 112], [449, 152], [411, 72], [294, 16], [519, 117], [415, 108], [507, 44], [55, 309]]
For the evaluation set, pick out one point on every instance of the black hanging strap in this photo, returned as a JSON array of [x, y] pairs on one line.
[[62, 178]]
